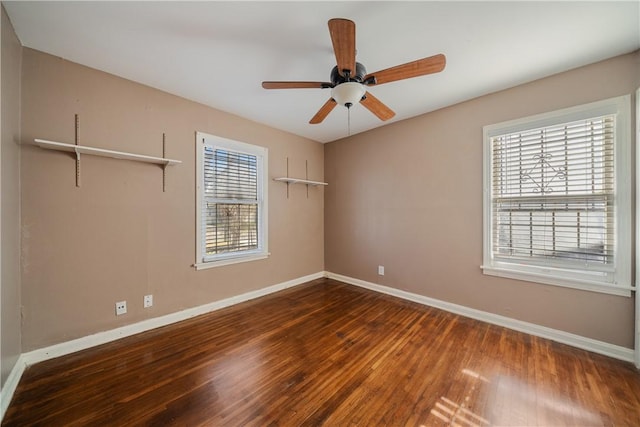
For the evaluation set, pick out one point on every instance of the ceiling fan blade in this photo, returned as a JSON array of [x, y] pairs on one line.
[[296, 85], [343, 37], [421, 67], [323, 112], [376, 106]]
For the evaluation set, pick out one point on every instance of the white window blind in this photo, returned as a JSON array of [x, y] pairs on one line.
[[553, 194], [231, 208], [557, 198], [231, 201]]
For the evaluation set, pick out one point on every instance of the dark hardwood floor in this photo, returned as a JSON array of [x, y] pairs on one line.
[[326, 353]]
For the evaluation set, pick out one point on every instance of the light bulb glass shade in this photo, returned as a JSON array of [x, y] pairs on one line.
[[348, 93]]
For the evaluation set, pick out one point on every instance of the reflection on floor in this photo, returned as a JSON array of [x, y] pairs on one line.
[[512, 402]]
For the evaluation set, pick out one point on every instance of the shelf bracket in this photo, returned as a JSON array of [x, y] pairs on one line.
[[77, 141], [164, 167], [306, 174], [288, 177]]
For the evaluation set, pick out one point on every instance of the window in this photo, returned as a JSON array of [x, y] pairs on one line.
[[557, 206], [231, 201]]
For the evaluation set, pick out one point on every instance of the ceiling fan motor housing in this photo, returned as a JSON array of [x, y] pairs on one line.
[[358, 76]]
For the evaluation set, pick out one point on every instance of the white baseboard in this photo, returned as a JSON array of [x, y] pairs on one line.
[[99, 338], [10, 385], [611, 350]]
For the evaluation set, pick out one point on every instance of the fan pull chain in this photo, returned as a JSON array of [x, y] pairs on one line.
[[348, 121]]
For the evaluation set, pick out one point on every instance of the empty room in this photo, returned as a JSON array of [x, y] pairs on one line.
[[320, 213]]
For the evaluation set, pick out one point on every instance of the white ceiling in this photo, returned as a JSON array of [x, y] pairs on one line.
[[218, 53]]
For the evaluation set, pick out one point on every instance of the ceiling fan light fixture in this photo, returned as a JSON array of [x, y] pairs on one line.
[[348, 93]]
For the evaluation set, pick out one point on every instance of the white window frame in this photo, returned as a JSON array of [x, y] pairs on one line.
[[637, 322], [618, 283], [204, 261]]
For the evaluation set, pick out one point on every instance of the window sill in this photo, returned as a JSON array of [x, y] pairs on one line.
[[229, 261], [584, 285]]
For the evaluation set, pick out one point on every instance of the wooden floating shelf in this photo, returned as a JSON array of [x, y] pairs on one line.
[[81, 149], [299, 181]]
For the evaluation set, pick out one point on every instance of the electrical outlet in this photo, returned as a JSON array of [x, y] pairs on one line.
[[381, 270], [148, 301], [121, 308]]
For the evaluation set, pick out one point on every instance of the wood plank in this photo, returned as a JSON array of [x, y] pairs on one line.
[[333, 354]]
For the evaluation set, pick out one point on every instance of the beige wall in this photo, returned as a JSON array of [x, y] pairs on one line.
[[392, 200], [409, 196], [10, 204], [118, 236]]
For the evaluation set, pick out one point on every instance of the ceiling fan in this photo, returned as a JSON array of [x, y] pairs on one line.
[[349, 78]]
